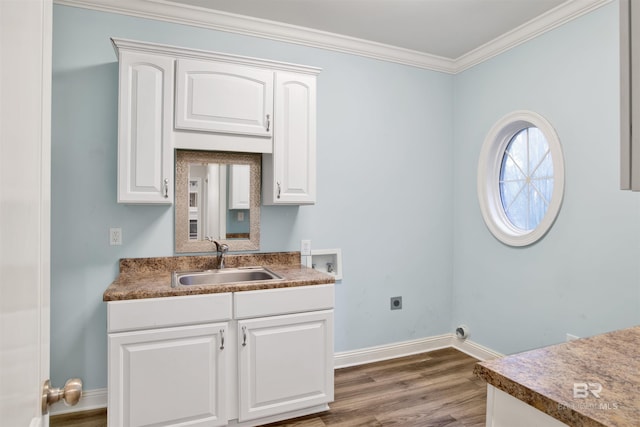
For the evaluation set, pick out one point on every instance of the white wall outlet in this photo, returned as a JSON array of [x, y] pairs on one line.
[[115, 236], [571, 337], [305, 248]]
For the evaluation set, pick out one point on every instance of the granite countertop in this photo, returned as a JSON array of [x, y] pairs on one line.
[[151, 277], [545, 379]]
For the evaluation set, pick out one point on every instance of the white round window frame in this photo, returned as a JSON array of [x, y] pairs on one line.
[[490, 164]]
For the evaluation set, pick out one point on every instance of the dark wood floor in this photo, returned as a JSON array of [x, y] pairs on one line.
[[436, 389]]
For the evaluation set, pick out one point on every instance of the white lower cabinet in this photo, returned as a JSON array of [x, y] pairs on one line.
[[285, 363], [241, 359], [168, 376]]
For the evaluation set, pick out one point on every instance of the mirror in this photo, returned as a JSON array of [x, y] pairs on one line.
[[218, 196]]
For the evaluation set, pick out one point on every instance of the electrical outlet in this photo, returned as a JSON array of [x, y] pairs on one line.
[[305, 248], [396, 303], [115, 236]]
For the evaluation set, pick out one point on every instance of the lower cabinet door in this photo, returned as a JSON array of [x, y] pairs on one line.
[[285, 363], [170, 376]]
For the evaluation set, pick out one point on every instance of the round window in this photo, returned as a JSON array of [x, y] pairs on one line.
[[520, 178]]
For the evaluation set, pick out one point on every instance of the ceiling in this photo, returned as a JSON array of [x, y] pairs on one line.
[[446, 28], [440, 35]]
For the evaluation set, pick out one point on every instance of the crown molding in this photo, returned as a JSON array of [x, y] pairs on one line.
[[554, 18], [222, 21], [198, 54], [167, 11]]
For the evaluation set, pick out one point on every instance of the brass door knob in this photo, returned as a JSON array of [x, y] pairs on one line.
[[70, 393]]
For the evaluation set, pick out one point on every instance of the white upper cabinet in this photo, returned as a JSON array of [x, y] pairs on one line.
[[221, 97], [290, 171], [145, 152], [222, 103]]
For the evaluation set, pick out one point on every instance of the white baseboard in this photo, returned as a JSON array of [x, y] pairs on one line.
[[95, 399], [407, 348], [474, 350], [390, 351], [91, 399]]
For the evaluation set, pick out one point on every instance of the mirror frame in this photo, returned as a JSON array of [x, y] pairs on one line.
[[183, 159]]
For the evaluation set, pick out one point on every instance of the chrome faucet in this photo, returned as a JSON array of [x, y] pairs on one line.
[[221, 249]]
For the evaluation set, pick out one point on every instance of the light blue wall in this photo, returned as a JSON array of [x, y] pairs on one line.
[[583, 277], [397, 159], [384, 153]]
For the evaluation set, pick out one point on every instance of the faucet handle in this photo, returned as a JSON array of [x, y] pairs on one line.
[[220, 247]]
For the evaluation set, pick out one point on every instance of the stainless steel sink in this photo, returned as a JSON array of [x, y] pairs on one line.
[[223, 277]]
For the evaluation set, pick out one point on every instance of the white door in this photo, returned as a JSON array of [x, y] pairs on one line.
[[25, 115]]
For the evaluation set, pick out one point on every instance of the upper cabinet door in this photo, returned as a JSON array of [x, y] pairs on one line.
[[221, 97], [145, 151], [290, 172]]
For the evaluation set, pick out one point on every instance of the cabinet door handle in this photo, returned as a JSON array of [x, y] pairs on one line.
[[221, 339], [268, 122], [279, 188], [244, 336], [166, 188]]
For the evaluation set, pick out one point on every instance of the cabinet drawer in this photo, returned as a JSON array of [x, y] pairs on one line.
[[272, 302], [171, 311]]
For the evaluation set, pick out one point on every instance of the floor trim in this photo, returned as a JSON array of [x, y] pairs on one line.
[[390, 351], [95, 399], [407, 348], [474, 349], [91, 399]]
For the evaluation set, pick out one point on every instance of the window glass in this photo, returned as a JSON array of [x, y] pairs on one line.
[[526, 179]]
